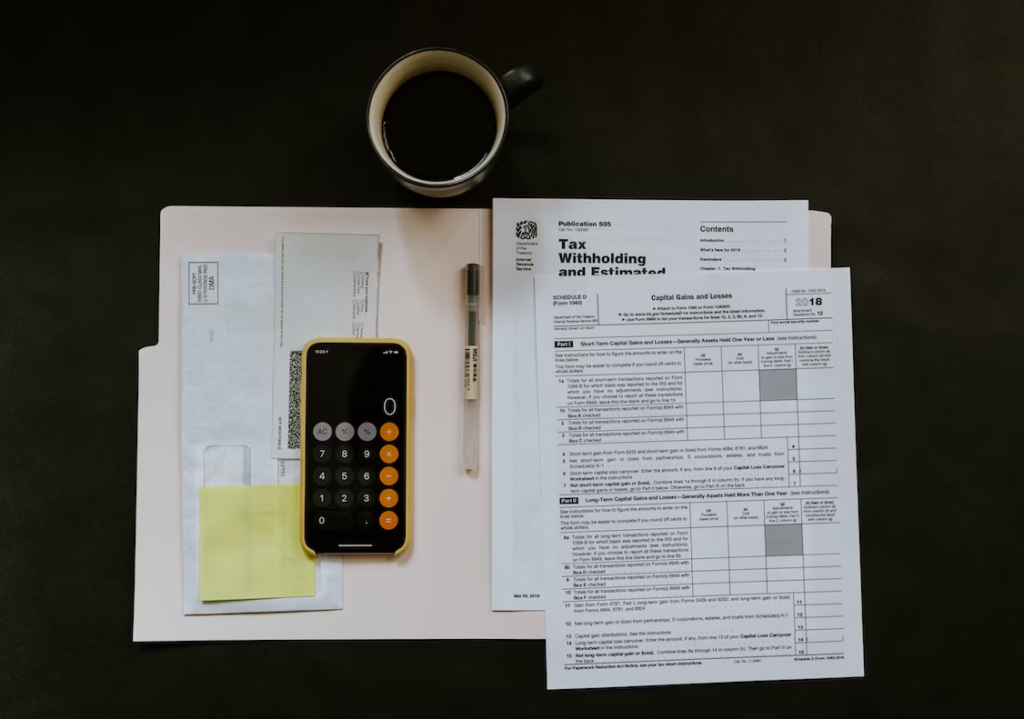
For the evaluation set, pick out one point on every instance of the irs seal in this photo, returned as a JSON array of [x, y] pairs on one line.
[[526, 230]]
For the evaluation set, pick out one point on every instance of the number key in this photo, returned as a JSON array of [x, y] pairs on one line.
[[321, 476], [321, 498], [343, 453], [322, 453], [364, 498], [344, 498], [345, 476], [334, 520], [364, 475]]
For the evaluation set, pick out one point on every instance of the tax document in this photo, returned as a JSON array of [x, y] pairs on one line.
[[614, 239], [699, 478]]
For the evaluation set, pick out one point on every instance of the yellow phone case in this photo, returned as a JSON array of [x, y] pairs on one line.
[[407, 518]]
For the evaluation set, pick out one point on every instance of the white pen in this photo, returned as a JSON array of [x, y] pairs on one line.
[[471, 373]]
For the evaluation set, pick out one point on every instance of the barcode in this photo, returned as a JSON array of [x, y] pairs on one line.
[[294, 396]]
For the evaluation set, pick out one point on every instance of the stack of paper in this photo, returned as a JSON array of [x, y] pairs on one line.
[[426, 250], [687, 450]]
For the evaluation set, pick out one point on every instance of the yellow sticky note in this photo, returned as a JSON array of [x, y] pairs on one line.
[[249, 544]]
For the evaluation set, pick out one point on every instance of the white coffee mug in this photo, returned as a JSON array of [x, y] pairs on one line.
[[504, 93]]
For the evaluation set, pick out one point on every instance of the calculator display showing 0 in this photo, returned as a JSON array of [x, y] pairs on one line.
[[355, 446]]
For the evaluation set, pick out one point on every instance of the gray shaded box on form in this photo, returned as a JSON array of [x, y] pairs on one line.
[[777, 384], [782, 540]]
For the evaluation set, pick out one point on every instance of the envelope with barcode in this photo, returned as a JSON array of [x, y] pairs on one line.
[[325, 286]]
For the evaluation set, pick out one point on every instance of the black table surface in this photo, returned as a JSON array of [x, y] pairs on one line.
[[902, 119]]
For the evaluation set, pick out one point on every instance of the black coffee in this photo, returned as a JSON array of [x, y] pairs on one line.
[[438, 125]]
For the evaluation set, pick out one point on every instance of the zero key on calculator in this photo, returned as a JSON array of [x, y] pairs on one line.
[[356, 407]]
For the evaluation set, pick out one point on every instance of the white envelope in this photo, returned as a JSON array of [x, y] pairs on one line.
[[325, 286], [226, 348]]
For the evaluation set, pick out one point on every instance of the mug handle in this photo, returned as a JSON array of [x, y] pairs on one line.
[[521, 82]]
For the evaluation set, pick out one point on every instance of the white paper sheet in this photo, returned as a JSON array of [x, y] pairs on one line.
[[226, 352], [326, 287], [544, 237], [699, 478]]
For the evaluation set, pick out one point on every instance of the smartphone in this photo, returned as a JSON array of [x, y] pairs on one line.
[[356, 446]]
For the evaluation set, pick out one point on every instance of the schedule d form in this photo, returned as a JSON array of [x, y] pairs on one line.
[[699, 478]]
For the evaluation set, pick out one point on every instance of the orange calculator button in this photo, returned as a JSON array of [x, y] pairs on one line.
[[389, 498], [389, 475], [389, 431], [389, 453], [389, 520]]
